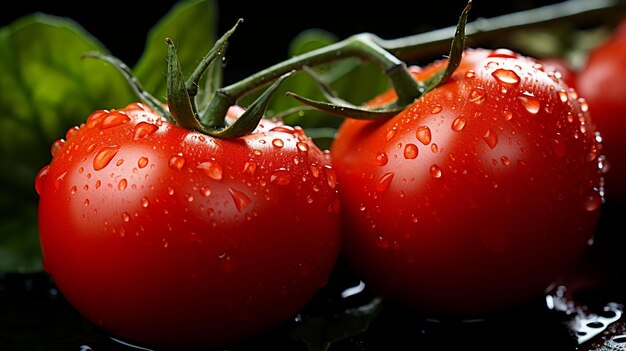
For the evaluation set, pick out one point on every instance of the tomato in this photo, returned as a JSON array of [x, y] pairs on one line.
[[476, 197], [567, 73], [600, 82], [166, 237]]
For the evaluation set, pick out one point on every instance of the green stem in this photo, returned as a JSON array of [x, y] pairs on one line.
[[359, 45], [391, 54], [483, 30]]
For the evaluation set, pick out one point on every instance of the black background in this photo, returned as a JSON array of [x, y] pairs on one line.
[[268, 26]]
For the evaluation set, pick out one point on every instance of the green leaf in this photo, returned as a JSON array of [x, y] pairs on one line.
[[191, 24], [46, 89]]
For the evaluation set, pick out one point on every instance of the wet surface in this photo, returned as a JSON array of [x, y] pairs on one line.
[[584, 311]]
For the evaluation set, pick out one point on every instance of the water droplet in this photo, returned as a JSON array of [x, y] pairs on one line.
[[505, 160], [506, 76], [563, 95], [469, 74], [435, 171], [530, 103], [145, 202], [113, 119], [491, 138], [142, 162], [95, 118], [384, 182], [508, 115], [603, 164], [410, 151], [205, 191], [71, 132], [225, 263], [280, 176], [249, 168], [125, 217], [177, 162], [284, 129], [381, 159], [390, 134], [143, 129], [436, 109], [302, 147], [122, 184], [278, 143], [56, 146], [459, 123], [592, 202], [315, 170], [41, 176], [477, 95], [212, 168], [423, 134], [241, 199], [104, 157], [189, 197], [503, 53], [331, 176]]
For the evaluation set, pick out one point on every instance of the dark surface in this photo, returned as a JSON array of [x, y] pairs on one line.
[[582, 312]]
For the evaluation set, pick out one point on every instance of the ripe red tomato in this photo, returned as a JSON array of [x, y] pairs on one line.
[[566, 72], [479, 195], [601, 83], [167, 237]]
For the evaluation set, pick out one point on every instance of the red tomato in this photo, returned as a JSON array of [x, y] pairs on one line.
[[565, 71], [601, 83], [478, 196], [166, 237]]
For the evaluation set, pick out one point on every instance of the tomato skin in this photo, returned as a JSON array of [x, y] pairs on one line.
[[478, 196], [600, 81], [167, 237], [566, 72]]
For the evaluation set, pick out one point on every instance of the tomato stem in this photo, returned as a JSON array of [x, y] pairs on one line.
[[360, 45], [391, 52], [482, 30]]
